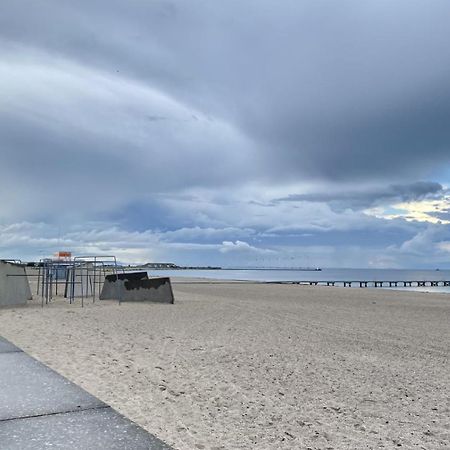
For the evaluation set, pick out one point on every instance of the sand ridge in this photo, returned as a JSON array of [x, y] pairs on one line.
[[259, 366]]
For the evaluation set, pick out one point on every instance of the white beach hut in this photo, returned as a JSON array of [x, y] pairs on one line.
[[14, 286]]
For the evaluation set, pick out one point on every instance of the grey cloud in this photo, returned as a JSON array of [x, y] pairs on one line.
[[156, 118], [325, 91], [441, 214], [366, 198], [331, 248], [428, 240], [131, 108], [89, 132]]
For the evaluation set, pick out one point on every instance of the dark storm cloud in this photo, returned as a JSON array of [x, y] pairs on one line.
[[366, 198], [176, 122], [324, 90]]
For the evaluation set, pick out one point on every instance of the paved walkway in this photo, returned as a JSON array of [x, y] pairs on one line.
[[40, 409]]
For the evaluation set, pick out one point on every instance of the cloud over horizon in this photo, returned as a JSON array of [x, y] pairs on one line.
[[226, 133]]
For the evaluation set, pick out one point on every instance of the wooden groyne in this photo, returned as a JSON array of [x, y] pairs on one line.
[[370, 283]]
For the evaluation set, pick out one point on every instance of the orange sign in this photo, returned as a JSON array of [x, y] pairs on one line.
[[61, 255]]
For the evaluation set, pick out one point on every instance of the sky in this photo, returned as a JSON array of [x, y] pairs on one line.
[[240, 133]]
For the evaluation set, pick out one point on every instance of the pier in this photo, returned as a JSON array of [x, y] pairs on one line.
[[370, 283]]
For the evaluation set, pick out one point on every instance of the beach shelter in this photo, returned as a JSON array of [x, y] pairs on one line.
[[14, 286]]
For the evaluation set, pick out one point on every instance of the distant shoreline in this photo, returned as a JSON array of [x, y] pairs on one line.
[[301, 269]]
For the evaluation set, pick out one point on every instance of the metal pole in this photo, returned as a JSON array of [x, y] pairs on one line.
[[67, 281], [56, 280], [39, 277], [72, 285], [95, 273], [46, 283]]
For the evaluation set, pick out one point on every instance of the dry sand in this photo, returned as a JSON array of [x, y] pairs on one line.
[[233, 366]]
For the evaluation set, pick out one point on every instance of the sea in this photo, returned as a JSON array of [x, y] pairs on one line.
[[302, 275]]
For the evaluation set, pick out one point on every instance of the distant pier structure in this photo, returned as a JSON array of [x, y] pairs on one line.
[[370, 283]]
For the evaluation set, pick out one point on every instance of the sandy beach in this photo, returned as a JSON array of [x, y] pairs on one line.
[[240, 366]]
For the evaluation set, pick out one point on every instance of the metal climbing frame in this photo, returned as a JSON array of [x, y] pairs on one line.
[[86, 276], [83, 277], [51, 274], [45, 280]]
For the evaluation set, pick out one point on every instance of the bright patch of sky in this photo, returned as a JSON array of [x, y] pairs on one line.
[[433, 211]]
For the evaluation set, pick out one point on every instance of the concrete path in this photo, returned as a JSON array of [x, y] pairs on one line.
[[40, 409]]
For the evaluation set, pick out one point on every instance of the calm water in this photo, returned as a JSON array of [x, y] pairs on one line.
[[323, 275]]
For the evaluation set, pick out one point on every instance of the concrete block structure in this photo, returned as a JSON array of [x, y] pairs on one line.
[[137, 287], [14, 286]]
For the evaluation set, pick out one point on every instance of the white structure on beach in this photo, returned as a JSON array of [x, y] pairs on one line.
[[14, 286]]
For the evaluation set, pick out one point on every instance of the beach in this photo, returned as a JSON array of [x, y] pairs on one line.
[[248, 365]]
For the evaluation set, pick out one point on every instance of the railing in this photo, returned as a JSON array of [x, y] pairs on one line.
[[369, 283]]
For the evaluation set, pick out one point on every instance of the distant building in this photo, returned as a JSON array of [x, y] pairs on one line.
[[161, 266]]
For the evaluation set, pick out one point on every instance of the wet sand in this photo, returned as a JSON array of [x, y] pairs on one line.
[[240, 366]]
